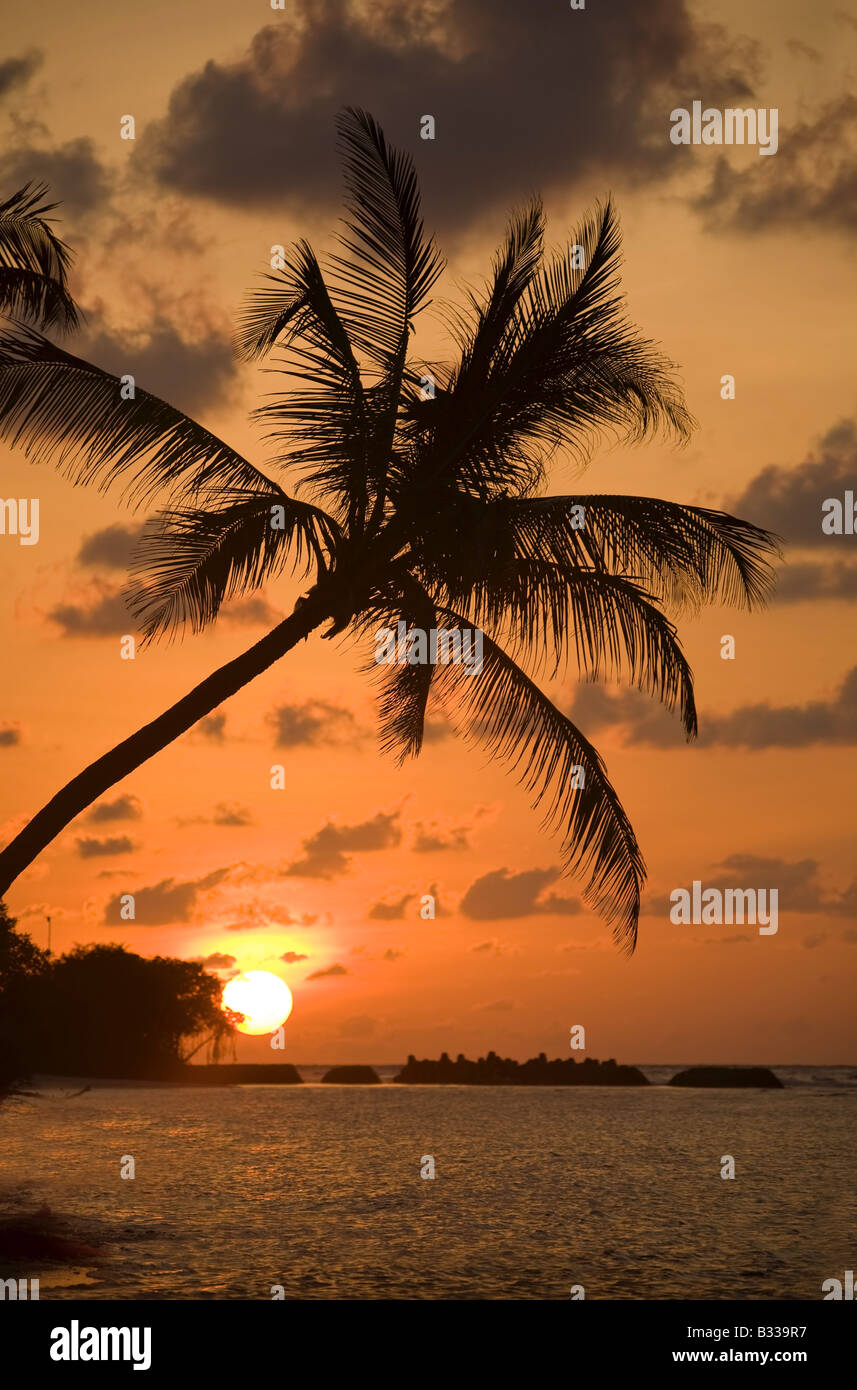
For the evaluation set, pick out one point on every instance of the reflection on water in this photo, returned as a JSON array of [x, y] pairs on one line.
[[318, 1188]]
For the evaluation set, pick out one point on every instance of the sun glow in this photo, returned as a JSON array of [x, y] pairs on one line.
[[264, 1000]]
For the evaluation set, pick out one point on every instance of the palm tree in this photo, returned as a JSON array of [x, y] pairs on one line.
[[423, 494]]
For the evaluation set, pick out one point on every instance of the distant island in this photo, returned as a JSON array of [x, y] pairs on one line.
[[727, 1076], [503, 1071], [351, 1076]]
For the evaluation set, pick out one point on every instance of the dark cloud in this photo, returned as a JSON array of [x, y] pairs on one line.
[[110, 547], [434, 838], [395, 911], [164, 903], [763, 725], [311, 724], [491, 947], [796, 881], [331, 970], [15, 72], [523, 96], [218, 961], [292, 957], [814, 183], [392, 954], [229, 813], [595, 708], [502, 893], [436, 729], [212, 726], [105, 616], [122, 808], [789, 500], [187, 374], [326, 853], [249, 612], [498, 1006], [73, 173], [803, 50], [91, 848], [10, 735], [798, 583]]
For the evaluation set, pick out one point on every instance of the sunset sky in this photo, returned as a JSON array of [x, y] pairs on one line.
[[736, 264]]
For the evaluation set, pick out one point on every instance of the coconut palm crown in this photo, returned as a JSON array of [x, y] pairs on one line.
[[422, 493]]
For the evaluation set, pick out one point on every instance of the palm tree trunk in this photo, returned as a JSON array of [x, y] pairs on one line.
[[109, 769]]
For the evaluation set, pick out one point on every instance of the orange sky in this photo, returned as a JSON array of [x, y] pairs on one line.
[[758, 285]]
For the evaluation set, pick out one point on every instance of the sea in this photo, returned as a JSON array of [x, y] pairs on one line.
[[322, 1192]]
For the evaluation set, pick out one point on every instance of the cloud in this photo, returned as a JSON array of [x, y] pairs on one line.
[[590, 110], [249, 612], [122, 808], [212, 726], [814, 184], [788, 500], [292, 957], [312, 724], [10, 735], [392, 954], [831, 721], [394, 911], [594, 707], [801, 582], [493, 946], [73, 173], [331, 970], [434, 838], [110, 547], [796, 881], [326, 852], [230, 813], [436, 729], [189, 374], [90, 848], [497, 1006], [164, 903], [218, 961], [502, 893], [104, 616], [15, 72], [803, 50]]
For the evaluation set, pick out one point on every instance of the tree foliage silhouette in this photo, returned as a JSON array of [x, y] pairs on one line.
[[420, 506], [103, 1011]]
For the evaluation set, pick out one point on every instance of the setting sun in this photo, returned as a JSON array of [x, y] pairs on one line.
[[264, 1000]]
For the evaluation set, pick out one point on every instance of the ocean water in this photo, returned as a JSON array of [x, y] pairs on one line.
[[318, 1189]]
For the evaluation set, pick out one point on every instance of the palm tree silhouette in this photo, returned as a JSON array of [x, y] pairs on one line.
[[423, 487]]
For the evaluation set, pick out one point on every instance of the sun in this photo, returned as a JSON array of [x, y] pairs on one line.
[[264, 999]]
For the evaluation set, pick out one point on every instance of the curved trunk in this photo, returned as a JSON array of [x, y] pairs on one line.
[[109, 769]]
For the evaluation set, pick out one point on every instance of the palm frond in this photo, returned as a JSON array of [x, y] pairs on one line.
[[685, 555], [62, 410], [187, 563], [568, 368], [389, 267], [503, 709], [610, 624], [402, 689], [34, 262], [325, 428]]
